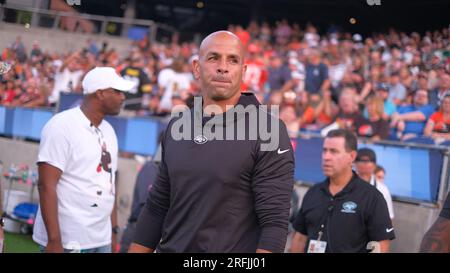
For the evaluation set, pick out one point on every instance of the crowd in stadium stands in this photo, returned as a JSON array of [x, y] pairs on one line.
[[385, 86]]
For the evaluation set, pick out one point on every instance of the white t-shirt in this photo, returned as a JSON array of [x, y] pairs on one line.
[[337, 73], [62, 83], [172, 82], [85, 190], [386, 194]]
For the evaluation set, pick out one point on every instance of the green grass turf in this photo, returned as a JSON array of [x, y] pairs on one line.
[[19, 243]]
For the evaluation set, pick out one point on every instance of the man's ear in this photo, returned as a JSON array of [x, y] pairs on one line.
[[196, 69], [244, 69], [353, 155], [99, 94]]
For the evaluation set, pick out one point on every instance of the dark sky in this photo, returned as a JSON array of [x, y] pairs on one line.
[[408, 15]]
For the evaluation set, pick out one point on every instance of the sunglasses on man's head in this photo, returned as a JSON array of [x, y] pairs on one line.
[[364, 160]]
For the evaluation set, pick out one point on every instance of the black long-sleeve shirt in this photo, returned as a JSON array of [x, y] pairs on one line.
[[219, 196]]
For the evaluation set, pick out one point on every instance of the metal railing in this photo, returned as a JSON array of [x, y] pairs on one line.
[[103, 25], [443, 148], [444, 180]]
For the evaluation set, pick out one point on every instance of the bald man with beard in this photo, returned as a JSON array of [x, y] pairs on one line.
[[216, 195]]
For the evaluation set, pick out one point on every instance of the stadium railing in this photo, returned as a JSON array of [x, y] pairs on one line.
[[125, 27], [415, 173]]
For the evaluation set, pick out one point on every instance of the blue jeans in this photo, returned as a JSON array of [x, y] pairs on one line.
[[100, 249]]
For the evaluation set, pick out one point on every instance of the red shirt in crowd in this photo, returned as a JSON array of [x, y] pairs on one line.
[[255, 77], [8, 96], [441, 125], [244, 36]]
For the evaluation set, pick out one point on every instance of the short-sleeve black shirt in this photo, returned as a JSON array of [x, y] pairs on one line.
[[353, 217]]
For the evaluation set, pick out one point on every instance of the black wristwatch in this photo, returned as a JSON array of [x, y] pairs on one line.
[[116, 230], [2, 222]]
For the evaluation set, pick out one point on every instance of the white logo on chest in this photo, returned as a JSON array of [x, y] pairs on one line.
[[349, 207], [200, 139]]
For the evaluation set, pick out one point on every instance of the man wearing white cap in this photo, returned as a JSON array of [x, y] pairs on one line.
[[77, 162]]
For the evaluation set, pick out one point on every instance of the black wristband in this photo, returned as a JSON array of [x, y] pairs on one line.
[[116, 229]]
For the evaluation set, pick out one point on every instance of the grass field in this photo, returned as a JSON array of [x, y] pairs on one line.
[[19, 243]]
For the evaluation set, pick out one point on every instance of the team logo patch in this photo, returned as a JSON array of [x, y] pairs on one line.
[[349, 207], [200, 139]]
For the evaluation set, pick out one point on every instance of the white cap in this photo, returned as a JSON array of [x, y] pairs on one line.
[[104, 78]]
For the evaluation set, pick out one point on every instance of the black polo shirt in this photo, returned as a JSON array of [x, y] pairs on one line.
[[353, 217]]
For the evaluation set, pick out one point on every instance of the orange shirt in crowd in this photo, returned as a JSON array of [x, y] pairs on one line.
[[440, 124], [308, 117]]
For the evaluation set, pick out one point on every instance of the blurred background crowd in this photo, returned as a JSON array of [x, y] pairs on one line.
[[392, 85]]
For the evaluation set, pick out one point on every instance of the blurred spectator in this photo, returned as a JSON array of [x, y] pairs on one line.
[[67, 77], [366, 162], [135, 73], [36, 52], [276, 98], [34, 95], [71, 23], [318, 112], [382, 92], [173, 81], [297, 72], [19, 49], [349, 116], [380, 173], [265, 32], [256, 75], [421, 82], [289, 116], [316, 73], [375, 127], [438, 126], [389, 106], [243, 35], [253, 30], [337, 69], [405, 78], [279, 74], [409, 121], [92, 47], [282, 32], [10, 93], [397, 91], [439, 93], [311, 37]]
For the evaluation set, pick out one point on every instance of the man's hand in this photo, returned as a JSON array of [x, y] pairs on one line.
[[137, 248], [54, 247], [395, 118], [2, 237], [48, 180], [326, 94], [114, 243]]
